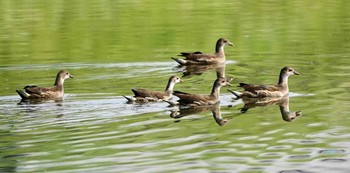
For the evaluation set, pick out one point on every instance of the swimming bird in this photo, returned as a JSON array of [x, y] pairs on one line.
[[200, 58], [56, 92], [201, 100], [278, 90], [143, 95]]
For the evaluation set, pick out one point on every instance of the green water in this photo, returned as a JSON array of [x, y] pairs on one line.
[[112, 46]]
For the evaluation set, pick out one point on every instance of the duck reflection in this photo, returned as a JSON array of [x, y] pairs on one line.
[[32, 107], [38, 101], [215, 109], [220, 72], [199, 70], [282, 102], [190, 70]]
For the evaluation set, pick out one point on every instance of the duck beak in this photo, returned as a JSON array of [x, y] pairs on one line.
[[71, 76], [296, 73], [228, 84], [181, 80], [231, 44], [229, 79]]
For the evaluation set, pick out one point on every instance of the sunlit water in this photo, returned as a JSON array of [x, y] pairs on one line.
[[94, 130]]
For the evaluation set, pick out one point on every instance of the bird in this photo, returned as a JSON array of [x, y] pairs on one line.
[[257, 91], [143, 95], [56, 92], [187, 99], [200, 58]]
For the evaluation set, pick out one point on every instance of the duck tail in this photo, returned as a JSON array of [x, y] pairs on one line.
[[242, 84], [130, 99], [180, 61], [23, 94], [236, 93]]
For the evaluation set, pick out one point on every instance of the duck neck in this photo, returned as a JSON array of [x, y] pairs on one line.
[[219, 48], [283, 81], [59, 83], [169, 88], [215, 92]]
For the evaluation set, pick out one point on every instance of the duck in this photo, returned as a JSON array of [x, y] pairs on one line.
[[200, 58], [257, 91], [187, 99], [56, 92], [143, 95]]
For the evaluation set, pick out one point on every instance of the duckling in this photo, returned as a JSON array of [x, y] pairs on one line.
[[143, 95], [55, 92], [257, 91], [201, 100], [199, 58]]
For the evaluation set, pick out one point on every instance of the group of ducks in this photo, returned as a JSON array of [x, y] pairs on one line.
[[281, 89]]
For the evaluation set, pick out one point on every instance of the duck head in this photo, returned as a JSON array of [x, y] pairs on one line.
[[219, 82], [175, 79], [64, 75], [288, 71], [223, 42]]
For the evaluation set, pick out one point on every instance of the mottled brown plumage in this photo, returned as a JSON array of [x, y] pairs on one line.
[[200, 58], [200, 100], [278, 90], [46, 93], [143, 95]]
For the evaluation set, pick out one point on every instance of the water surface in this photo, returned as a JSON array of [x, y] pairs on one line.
[[111, 47]]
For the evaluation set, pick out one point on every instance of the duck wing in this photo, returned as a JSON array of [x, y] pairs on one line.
[[146, 93], [185, 54], [186, 98], [197, 56], [201, 57], [253, 88], [179, 92], [32, 89]]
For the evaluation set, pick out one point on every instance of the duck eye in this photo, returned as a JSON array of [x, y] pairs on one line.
[[290, 70]]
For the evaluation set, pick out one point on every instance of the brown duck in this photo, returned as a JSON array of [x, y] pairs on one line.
[[278, 90], [201, 100], [55, 92], [199, 58], [143, 95]]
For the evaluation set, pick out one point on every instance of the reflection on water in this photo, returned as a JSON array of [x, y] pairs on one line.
[[189, 70], [39, 101], [195, 69], [215, 109], [282, 102]]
